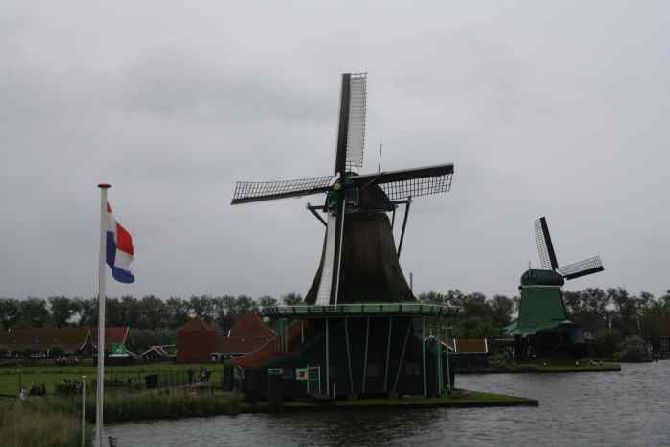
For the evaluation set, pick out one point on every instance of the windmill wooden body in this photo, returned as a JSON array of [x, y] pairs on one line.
[[361, 331], [543, 328]]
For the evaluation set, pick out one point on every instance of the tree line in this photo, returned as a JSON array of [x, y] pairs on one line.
[[149, 312], [612, 311], [617, 322]]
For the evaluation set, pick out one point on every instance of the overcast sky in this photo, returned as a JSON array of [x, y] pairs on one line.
[[546, 108]]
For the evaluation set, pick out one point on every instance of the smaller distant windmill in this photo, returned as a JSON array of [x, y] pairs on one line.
[[548, 255], [542, 328]]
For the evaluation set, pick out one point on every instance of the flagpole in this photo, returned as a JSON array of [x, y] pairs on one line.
[[102, 275]]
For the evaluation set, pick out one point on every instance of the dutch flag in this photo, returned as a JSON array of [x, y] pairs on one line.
[[119, 249]]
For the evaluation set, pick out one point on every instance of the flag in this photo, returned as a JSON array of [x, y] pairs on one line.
[[119, 249]]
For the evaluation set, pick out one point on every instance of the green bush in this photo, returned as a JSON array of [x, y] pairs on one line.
[[607, 342]]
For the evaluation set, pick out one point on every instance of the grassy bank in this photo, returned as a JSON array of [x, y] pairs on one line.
[[177, 404], [538, 368], [457, 398], [167, 404], [55, 421], [37, 422], [51, 375]]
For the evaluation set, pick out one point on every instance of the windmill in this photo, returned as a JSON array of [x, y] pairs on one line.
[[543, 327], [548, 259], [359, 261]]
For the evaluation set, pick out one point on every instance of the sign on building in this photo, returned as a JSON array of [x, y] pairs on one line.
[[301, 374]]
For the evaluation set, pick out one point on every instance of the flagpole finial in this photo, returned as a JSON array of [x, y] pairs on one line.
[[104, 185]]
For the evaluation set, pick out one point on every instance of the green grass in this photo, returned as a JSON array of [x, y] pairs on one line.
[[37, 422], [561, 367], [50, 375]]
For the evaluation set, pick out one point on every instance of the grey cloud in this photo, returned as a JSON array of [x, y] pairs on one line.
[[544, 109], [170, 80]]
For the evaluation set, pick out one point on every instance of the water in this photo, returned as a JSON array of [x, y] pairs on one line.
[[630, 408]]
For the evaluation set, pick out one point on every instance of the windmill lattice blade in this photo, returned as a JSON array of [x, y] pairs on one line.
[[279, 189], [324, 291], [401, 185], [545, 248], [357, 120], [582, 268]]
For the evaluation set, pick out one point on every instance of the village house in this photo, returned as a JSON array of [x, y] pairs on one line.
[[198, 342], [53, 342], [45, 342]]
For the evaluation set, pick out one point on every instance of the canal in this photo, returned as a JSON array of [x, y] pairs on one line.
[[627, 408]]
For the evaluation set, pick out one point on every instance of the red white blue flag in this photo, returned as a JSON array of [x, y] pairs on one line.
[[119, 249]]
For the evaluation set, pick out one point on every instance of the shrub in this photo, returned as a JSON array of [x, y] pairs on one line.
[[634, 349]]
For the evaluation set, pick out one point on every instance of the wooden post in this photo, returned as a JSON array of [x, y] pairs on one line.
[[402, 357], [351, 376], [423, 351], [388, 355], [365, 357], [327, 357]]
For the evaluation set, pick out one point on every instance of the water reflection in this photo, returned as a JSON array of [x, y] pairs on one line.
[[627, 408]]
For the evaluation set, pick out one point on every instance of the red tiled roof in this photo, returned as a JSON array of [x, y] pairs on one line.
[[195, 341], [250, 325], [41, 339], [195, 325], [248, 334], [113, 336], [268, 351]]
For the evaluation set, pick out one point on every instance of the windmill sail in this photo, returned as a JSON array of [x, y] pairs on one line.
[[582, 268], [406, 183], [324, 290], [545, 248], [356, 125], [548, 259], [280, 189], [348, 153]]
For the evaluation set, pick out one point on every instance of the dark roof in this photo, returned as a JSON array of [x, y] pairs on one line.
[[370, 270], [541, 277], [41, 339]]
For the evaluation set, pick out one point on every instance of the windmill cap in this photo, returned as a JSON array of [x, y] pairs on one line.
[[541, 277]]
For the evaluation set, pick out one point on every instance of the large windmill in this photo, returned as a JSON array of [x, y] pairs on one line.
[[543, 327], [359, 262], [362, 333]]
